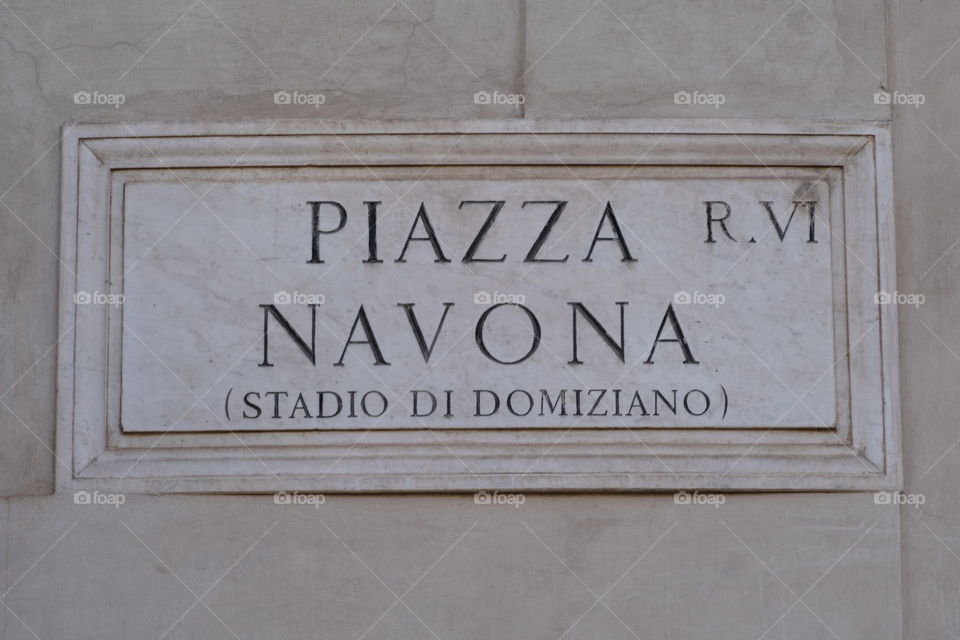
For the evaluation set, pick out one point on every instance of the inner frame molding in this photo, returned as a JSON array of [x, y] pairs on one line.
[[860, 452]]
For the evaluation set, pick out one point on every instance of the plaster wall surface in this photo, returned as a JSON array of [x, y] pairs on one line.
[[801, 565]]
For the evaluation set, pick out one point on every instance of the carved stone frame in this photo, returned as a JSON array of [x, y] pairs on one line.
[[863, 456]]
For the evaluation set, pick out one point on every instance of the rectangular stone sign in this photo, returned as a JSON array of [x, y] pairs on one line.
[[549, 306], [481, 299]]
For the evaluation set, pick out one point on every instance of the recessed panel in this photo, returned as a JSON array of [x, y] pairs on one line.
[[332, 299]]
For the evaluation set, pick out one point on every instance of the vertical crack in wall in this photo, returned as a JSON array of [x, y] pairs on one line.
[[523, 57]]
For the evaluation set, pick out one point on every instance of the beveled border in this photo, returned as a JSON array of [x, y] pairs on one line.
[[469, 460]]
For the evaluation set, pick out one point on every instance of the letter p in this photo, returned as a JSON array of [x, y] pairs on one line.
[[315, 226]]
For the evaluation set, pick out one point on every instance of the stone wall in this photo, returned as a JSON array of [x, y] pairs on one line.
[[803, 565]]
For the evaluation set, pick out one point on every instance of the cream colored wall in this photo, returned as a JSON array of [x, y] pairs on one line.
[[463, 570], [926, 165]]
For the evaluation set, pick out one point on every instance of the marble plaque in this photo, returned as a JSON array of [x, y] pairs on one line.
[[478, 305]]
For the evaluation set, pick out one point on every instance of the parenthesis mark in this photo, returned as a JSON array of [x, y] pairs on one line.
[[226, 404], [725, 402]]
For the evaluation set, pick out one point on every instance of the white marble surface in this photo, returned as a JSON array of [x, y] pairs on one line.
[[759, 313], [186, 270]]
